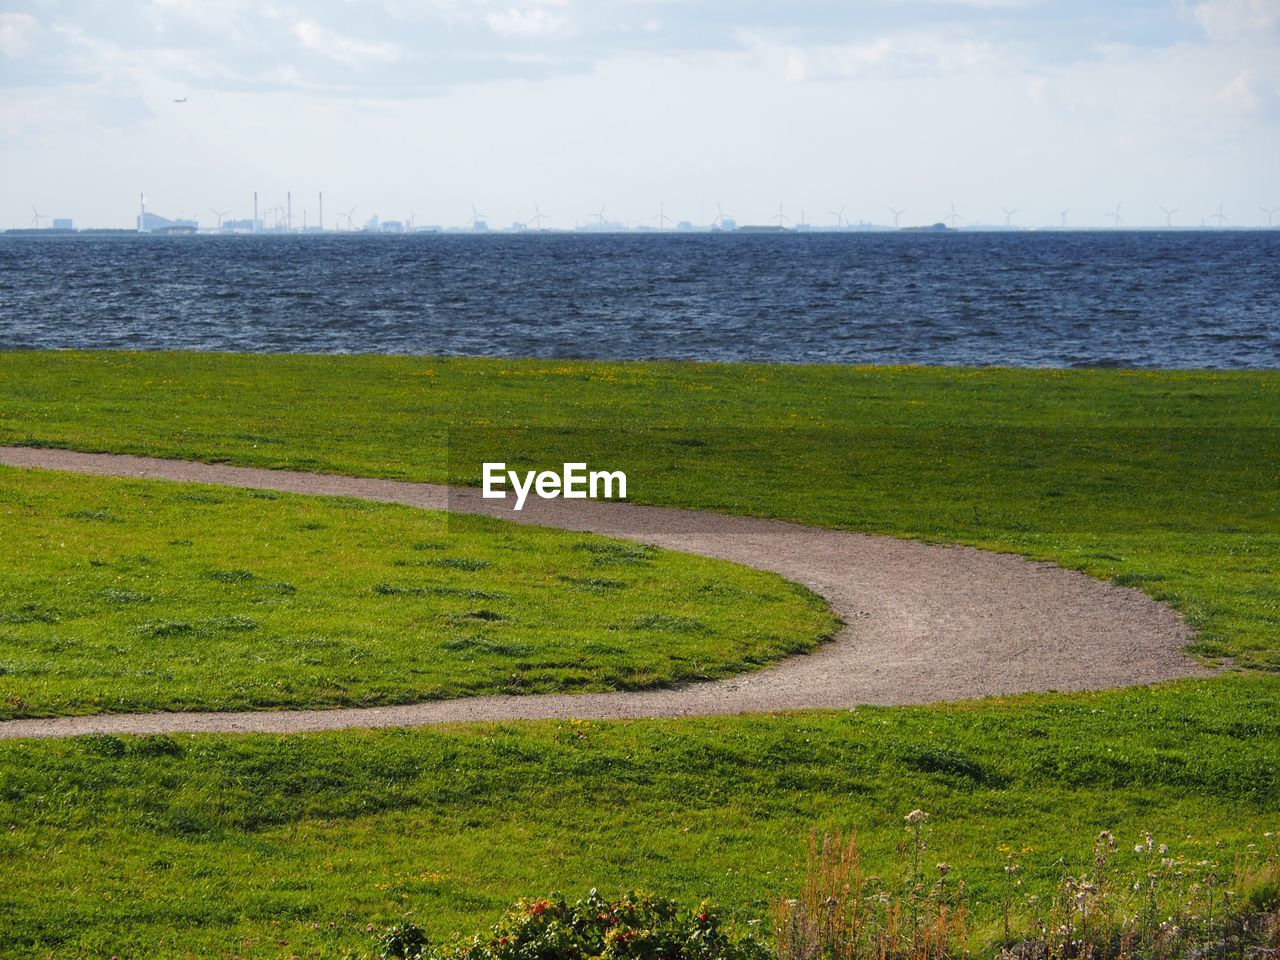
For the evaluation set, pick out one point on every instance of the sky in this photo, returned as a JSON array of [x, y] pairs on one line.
[[425, 108]]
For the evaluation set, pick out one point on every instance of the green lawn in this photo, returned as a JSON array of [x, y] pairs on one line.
[[123, 595], [253, 846], [1170, 481], [280, 846]]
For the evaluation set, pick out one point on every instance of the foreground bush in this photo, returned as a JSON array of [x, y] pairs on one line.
[[635, 927]]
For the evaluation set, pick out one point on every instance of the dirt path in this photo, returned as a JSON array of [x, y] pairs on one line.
[[923, 623]]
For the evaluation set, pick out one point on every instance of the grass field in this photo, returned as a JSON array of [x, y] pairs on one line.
[[119, 595], [200, 845], [267, 846], [1166, 480]]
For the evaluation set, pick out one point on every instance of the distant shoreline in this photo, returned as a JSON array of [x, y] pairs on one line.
[[748, 230]]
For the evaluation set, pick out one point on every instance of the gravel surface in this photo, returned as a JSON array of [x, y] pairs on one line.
[[923, 623]]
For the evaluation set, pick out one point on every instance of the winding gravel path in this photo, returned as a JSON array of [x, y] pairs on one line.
[[924, 623]]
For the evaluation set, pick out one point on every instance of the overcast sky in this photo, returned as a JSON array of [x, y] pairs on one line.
[[428, 106]]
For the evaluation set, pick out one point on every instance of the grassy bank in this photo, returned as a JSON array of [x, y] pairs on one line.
[[1166, 480], [284, 846], [119, 595]]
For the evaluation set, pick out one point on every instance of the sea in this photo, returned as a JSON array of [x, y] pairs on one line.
[[1176, 299]]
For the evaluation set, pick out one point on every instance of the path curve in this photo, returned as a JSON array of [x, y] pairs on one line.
[[924, 623]]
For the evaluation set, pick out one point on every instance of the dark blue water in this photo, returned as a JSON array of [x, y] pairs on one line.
[[1189, 299]]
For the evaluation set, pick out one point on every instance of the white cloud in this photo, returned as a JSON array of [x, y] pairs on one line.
[[911, 54], [1231, 20], [1243, 43], [17, 32], [535, 21], [1239, 93], [341, 48]]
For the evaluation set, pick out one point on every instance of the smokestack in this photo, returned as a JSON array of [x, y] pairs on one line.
[[288, 216], [142, 213], [321, 211], [255, 211]]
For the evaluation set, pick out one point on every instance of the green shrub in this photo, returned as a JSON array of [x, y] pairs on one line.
[[633, 927], [405, 941]]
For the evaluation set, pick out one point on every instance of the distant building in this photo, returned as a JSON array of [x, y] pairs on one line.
[[728, 223], [684, 225], [392, 226], [154, 223], [63, 223], [240, 226]]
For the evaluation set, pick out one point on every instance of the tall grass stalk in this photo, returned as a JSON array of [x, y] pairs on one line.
[[842, 913], [1148, 905]]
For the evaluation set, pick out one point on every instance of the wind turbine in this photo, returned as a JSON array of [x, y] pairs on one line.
[[1063, 214], [537, 218], [839, 215], [600, 221], [477, 218], [1116, 219], [219, 214], [1270, 213], [1008, 217], [35, 220], [720, 215], [780, 216], [661, 217], [1219, 216], [896, 215], [348, 214], [952, 216], [1168, 217]]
